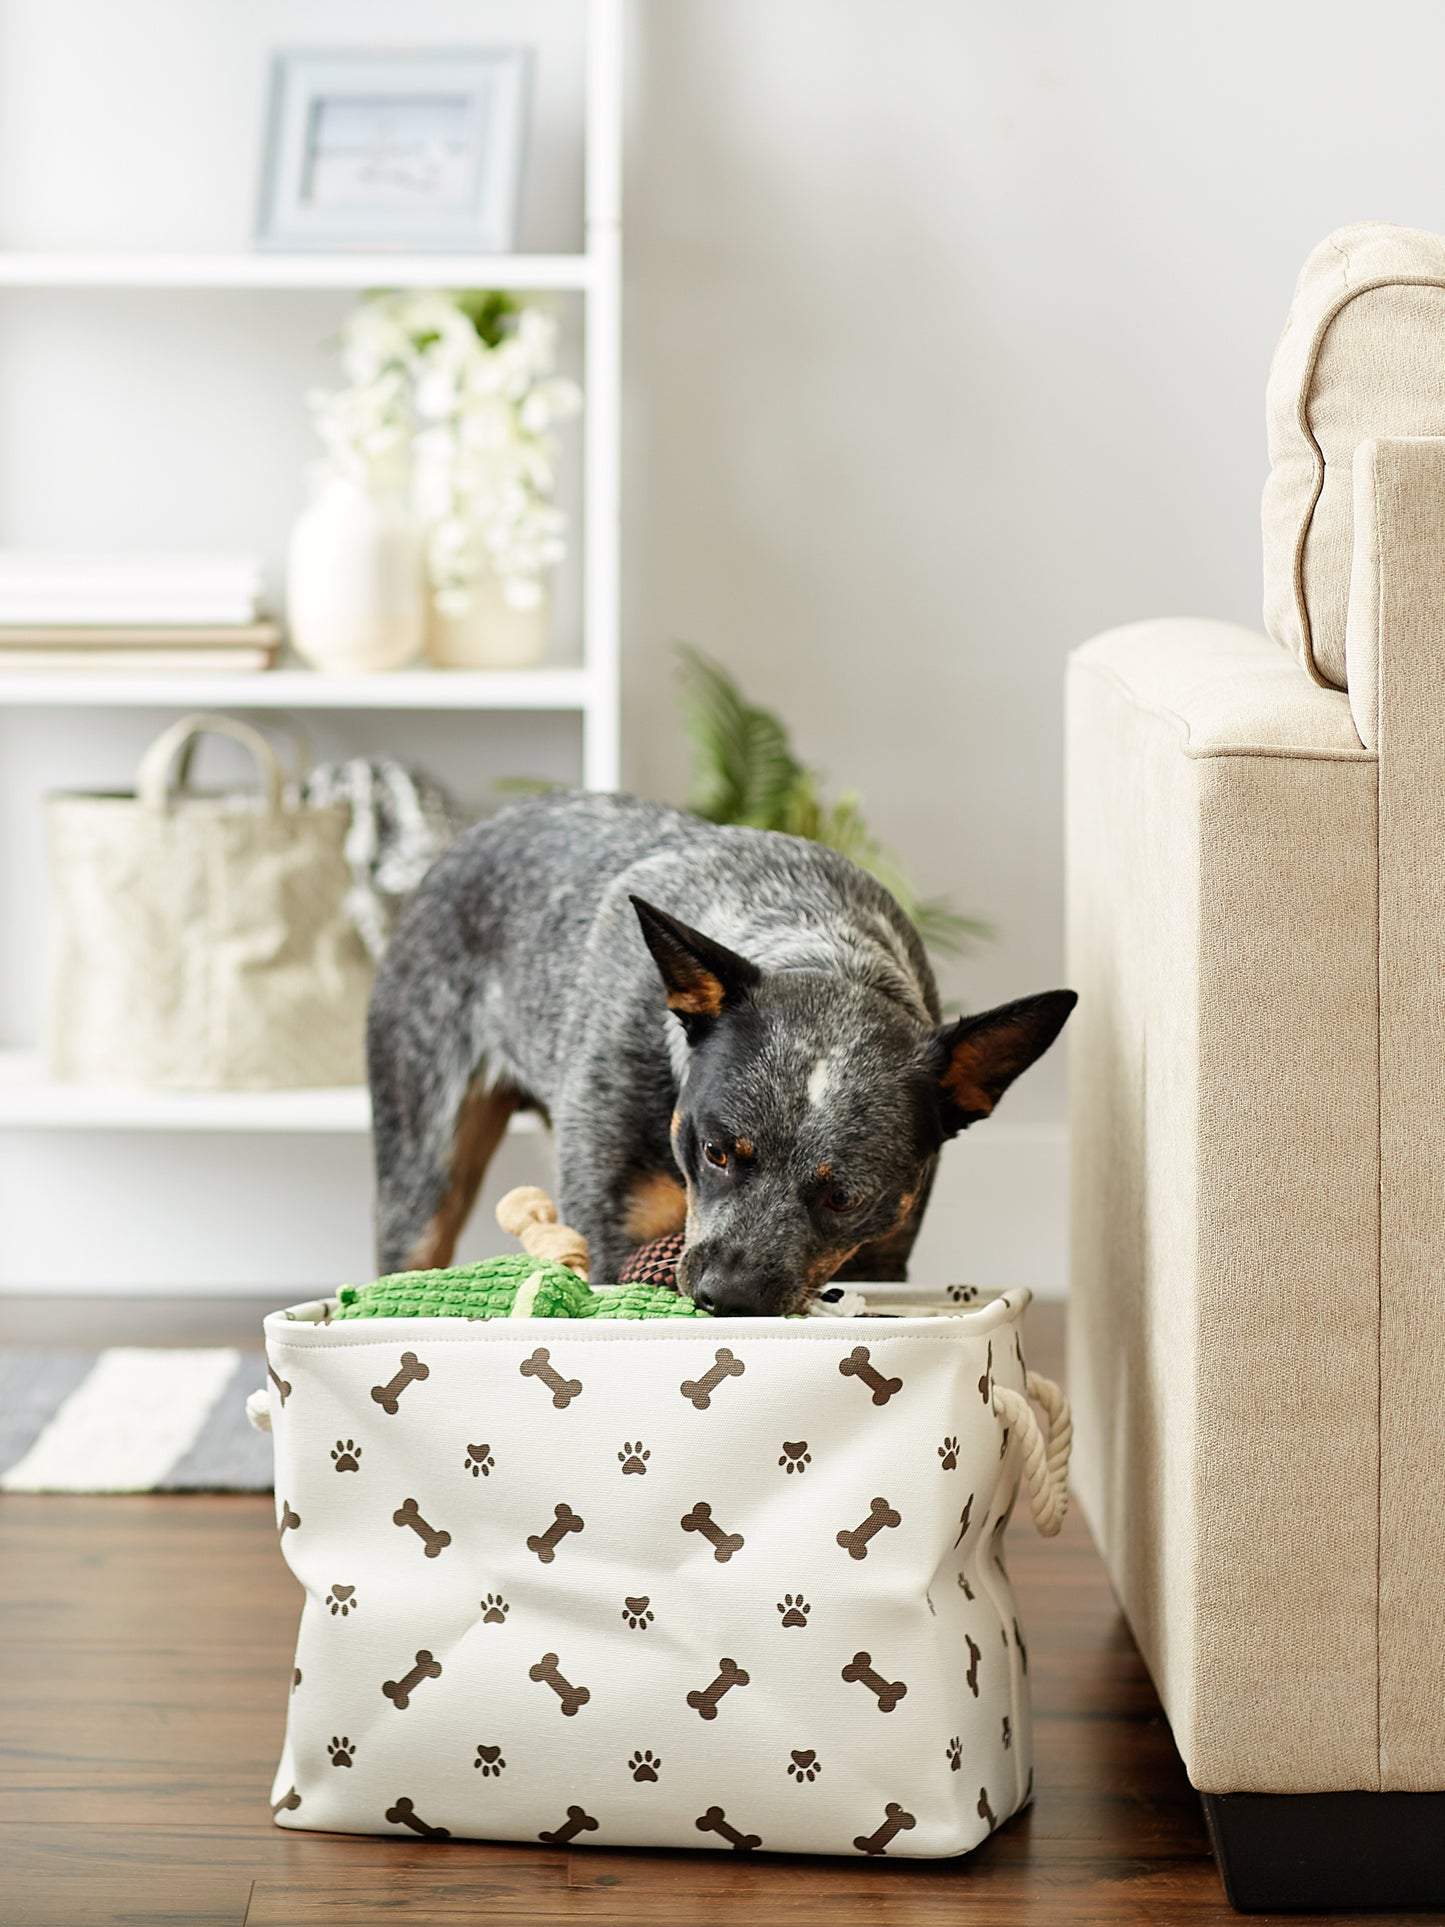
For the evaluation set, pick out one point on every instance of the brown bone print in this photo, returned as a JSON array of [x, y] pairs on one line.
[[963, 1519], [578, 1820], [404, 1814], [858, 1364], [412, 1371], [407, 1514], [288, 1802], [289, 1519], [729, 1675], [716, 1821], [399, 1691], [563, 1390], [724, 1544], [283, 1385], [700, 1390], [545, 1673], [880, 1514], [887, 1692], [975, 1654], [545, 1544], [895, 1821], [985, 1811]]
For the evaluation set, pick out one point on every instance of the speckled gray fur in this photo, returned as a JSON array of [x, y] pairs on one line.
[[520, 963]]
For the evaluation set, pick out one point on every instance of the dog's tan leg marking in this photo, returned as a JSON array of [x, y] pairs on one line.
[[716, 1821], [481, 1124], [407, 1514], [887, 1692], [404, 1814], [578, 1820], [545, 1673], [855, 1543], [859, 1364], [895, 1820], [656, 1207], [399, 1691], [729, 1674]]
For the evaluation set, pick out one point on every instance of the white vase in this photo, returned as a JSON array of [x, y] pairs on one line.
[[355, 599], [491, 635]]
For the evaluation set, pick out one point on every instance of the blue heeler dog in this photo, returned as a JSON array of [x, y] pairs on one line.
[[788, 1113]]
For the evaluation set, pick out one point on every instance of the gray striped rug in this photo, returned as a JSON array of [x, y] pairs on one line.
[[131, 1420]]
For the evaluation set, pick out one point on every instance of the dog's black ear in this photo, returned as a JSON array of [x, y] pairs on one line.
[[703, 978], [979, 1057]]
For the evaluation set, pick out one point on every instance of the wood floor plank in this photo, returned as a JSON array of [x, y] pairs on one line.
[[145, 1659]]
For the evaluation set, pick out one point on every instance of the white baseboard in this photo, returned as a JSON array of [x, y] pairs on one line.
[[155, 1214]]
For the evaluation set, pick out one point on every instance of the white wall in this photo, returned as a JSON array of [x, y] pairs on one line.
[[947, 326]]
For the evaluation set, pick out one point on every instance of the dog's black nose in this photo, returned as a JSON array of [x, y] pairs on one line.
[[729, 1291]]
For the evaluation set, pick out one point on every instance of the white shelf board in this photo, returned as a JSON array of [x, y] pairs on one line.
[[31, 1100], [525, 272], [516, 689]]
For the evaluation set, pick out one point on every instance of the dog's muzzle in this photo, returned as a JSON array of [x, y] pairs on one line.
[[729, 1283]]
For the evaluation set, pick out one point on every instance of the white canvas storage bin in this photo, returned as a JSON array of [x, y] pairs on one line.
[[706, 1583]]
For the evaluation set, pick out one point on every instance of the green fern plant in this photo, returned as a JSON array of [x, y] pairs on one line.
[[744, 770]]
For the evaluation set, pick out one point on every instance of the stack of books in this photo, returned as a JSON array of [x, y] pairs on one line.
[[177, 613]]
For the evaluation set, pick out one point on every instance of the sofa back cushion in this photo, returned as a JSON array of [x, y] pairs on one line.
[[1362, 355]]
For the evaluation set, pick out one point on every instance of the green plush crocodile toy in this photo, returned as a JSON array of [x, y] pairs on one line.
[[547, 1280], [510, 1287]]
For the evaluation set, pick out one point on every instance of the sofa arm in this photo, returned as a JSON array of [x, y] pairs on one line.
[[1395, 661], [1224, 1189]]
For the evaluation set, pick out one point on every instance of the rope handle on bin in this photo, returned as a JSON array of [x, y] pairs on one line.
[[1046, 1461]]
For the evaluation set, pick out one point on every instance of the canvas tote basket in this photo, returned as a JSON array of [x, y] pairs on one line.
[[202, 942], [733, 1585]]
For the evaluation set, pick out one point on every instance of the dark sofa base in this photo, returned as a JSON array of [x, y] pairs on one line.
[[1325, 1852]]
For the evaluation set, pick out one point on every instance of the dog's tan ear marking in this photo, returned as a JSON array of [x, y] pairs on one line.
[[702, 978], [981, 1056]]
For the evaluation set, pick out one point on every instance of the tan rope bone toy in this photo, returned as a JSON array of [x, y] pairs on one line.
[[529, 1215]]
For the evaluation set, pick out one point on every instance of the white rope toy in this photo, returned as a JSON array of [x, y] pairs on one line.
[[1046, 1461]]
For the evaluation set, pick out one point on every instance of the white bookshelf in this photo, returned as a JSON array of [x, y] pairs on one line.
[[530, 689], [528, 273], [32, 1102]]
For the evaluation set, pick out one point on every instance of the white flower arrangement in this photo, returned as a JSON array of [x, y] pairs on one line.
[[454, 397]]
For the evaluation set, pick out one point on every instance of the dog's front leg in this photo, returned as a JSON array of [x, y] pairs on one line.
[[617, 1181]]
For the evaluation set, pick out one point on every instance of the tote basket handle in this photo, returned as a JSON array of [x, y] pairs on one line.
[[153, 781], [1046, 1460]]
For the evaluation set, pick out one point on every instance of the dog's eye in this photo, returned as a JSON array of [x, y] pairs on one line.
[[842, 1201], [716, 1154]]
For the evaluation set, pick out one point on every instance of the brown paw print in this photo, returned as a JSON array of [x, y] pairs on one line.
[[963, 1294], [794, 1609], [494, 1609], [346, 1456], [644, 1765], [948, 1455], [343, 1600], [804, 1766], [341, 1750], [638, 1613], [955, 1753], [633, 1458], [479, 1461], [795, 1456], [489, 1762]]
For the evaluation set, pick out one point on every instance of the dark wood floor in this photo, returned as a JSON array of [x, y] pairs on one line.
[[145, 1651]]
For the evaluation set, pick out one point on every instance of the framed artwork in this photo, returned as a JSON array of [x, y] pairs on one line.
[[395, 150]]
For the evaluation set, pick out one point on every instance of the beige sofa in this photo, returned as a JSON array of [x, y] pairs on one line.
[[1256, 875]]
